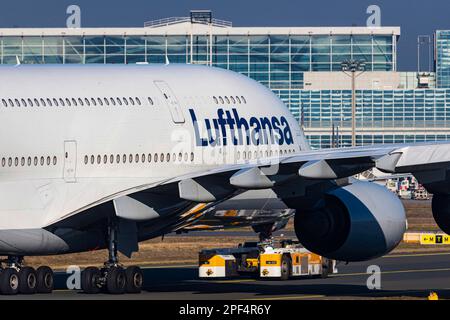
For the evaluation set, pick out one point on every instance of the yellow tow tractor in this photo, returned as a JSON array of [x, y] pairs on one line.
[[267, 260]]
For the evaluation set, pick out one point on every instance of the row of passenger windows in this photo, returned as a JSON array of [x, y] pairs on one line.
[[229, 99], [271, 153], [74, 101], [136, 158], [30, 161]]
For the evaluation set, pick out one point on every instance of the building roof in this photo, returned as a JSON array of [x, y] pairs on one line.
[[187, 28]]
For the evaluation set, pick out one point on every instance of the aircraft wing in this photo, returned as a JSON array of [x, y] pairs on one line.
[[326, 164]]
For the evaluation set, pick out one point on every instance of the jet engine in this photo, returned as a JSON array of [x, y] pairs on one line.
[[440, 205], [356, 222]]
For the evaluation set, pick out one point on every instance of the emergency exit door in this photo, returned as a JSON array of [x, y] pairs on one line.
[[70, 160], [171, 101]]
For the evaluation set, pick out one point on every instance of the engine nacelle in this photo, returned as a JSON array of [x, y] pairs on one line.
[[357, 222], [440, 205]]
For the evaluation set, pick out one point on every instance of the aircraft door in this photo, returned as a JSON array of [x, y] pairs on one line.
[[171, 101], [70, 160]]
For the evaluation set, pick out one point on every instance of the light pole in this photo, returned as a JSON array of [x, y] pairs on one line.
[[353, 68]]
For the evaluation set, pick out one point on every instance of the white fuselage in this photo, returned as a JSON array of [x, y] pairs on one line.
[[58, 160]]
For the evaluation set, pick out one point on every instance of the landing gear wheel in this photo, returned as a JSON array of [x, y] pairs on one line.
[[27, 280], [134, 279], [90, 280], [116, 280], [44, 279], [9, 281], [285, 267]]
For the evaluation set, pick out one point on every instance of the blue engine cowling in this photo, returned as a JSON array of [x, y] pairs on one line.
[[357, 222]]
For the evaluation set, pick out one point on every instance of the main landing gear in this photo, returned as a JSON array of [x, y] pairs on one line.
[[16, 278], [112, 278]]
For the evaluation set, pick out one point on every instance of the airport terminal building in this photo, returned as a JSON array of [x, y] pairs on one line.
[[302, 65]]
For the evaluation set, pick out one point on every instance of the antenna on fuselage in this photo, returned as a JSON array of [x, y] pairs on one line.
[[18, 61], [167, 60]]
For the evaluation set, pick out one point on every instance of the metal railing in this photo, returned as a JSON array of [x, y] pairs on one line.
[[175, 20]]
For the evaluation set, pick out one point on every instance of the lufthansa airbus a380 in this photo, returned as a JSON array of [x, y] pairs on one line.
[[106, 156]]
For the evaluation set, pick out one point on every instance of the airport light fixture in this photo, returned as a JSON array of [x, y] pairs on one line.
[[353, 68]]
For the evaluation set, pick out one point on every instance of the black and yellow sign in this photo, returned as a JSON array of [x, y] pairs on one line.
[[432, 238]]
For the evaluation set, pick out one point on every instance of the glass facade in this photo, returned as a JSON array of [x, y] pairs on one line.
[[277, 61], [442, 54], [382, 116]]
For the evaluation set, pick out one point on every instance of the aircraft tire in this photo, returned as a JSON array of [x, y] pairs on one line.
[[90, 280], [27, 280], [44, 279], [9, 281], [116, 280], [134, 279], [285, 267]]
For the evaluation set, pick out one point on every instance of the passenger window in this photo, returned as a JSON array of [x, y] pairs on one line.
[[24, 103], [243, 99], [80, 101], [42, 161], [61, 102], [16, 161], [168, 157], [17, 102], [221, 100], [119, 102], [99, 159], [162, 157], [111, 159], [55, 102], [232, 100], [136, 158], [22, 161], [149, 158], [113, 102], [106, 101], [49, 102], [118, 158], [94, 103], [48, 160], [156, 157], [124, 158], [4, 102], [138, 101], [3, 162], [180, 157], [215, 100], [74, 102], [150, 100], [54, 160], [125, 101], [86, 159], [132, 101], [30, 102], [105, 159], [131, 158], [227, 100], [35, 161], [100, 101], [86, 100], [9, 162], [92, 159], [192, 157], [68, 102], [36, 102], [143, 158], [28, 162]]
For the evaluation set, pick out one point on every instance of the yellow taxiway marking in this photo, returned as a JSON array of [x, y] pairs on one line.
[[232, 281], [416, 255], [288, 297], [388, 272]]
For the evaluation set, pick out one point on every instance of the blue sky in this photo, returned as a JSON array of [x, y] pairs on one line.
[[415, 17]]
